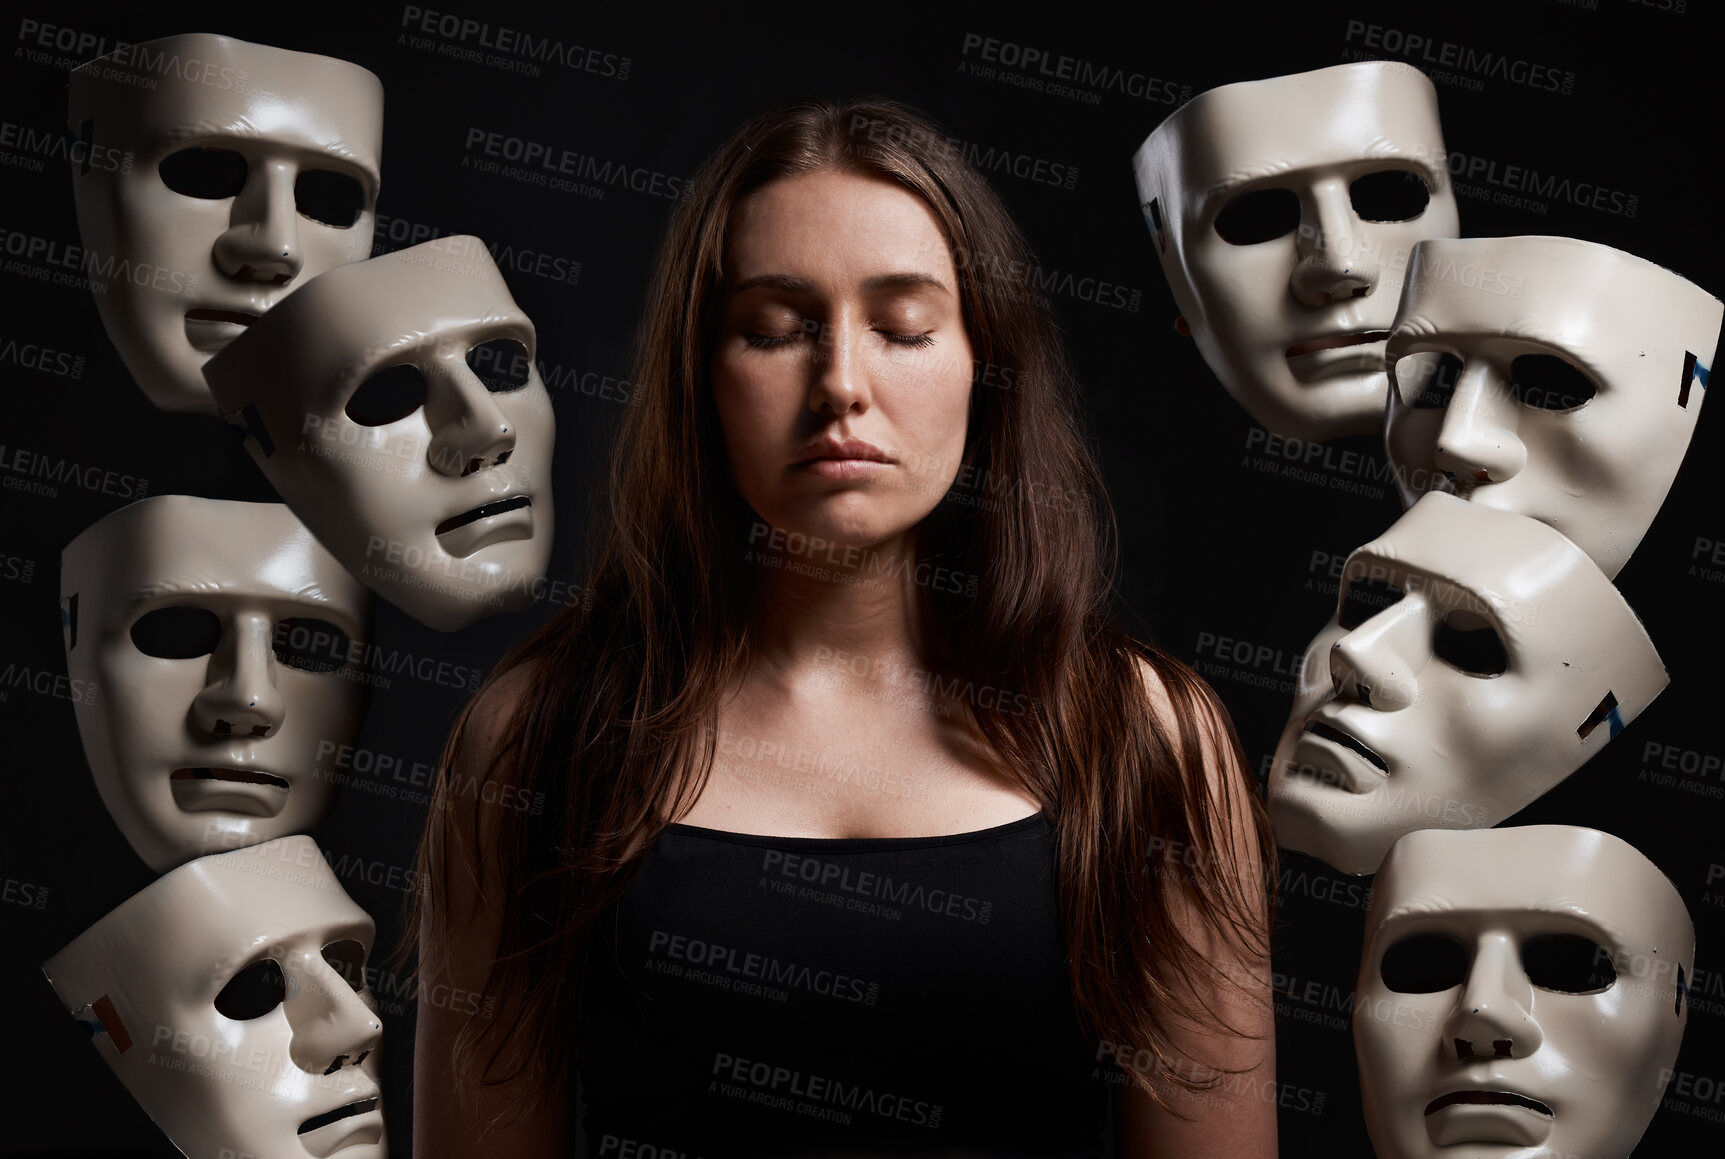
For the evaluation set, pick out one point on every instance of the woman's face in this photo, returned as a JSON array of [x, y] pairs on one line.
[[842, 368]]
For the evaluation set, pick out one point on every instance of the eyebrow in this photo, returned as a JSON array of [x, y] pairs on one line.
[[1410, 577], [1430, 906], [1379, 151], [795, 285]]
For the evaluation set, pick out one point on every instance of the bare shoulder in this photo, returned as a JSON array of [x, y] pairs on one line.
[[1188, 702], [494, 709]]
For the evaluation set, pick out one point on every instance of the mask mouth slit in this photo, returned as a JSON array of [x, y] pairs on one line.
[[245, 776], [237, 317], [363, 1106], [1336, 342], [1332, 733], [1487, 1098], [485, 512]]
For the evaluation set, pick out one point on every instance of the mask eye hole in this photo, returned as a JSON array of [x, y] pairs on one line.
[[347, 958], [330, 197], [1468, 641], [178, 633], [1568, 964], [1365, 598], [1427, 381], [253, 992], [1424, 964], [1389, 195], [310, 645], [1259, 215], [388, 396], [502, 364], [210, 174], [1547, 382]]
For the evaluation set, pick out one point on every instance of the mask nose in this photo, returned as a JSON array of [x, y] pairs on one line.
[[1493, 1018], [262, 242], [1376, 663], [1331, 262], [1477, 442], [333, 1027], [470, 432], [241, 697]]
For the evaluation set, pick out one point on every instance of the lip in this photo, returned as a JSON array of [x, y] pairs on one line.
[[497, 520], [1479, 1115], [829, 450], [209, 328], [1329, 354], [351, 1124], [217, 789], [1360, 769]]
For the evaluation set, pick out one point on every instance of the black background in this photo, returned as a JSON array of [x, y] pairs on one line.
[[1217, 541]]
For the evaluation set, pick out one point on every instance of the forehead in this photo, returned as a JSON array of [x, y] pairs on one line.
[[1570, 293], [233, 905], [200, 86], [837, 218], [1520, 875], [1499, 557], [198, 921], [1256, 129], [204, 547], [351, 319]]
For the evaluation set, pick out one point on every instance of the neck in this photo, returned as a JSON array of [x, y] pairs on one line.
[[818, 606]]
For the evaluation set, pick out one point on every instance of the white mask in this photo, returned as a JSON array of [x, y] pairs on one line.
[[1522, 991], [253, 169], [1324, 181], [395, 397], [223, 644], [229, 998], [1495, 663], [1499, 349]]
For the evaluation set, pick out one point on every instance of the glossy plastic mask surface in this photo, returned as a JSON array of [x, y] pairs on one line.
[[229, 997], [1521, 992], [1284, 212], [213, 647], [217, 177], [1551, 377], [1475, 660], [396, 406]]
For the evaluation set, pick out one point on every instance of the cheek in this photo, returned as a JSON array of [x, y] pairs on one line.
[[1240, 286], [746, 402], [169, 229], [325, 247]]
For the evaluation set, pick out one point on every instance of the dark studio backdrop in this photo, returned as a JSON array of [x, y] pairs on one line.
[[1230, 539]]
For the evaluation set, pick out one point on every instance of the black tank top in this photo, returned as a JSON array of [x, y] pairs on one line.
[[785, 996]]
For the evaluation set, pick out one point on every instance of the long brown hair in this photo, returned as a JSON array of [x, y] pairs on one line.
[[617, 732]]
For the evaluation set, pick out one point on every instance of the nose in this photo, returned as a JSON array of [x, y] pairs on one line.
[[332, 1025], [1375, 663], [240, 697], [836, 381], [1493, 1018], [1330, 261], [262, 240], [469, 431], [1477, 442]]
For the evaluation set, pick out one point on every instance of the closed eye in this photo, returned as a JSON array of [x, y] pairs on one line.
[[769, 341], [924, 339]]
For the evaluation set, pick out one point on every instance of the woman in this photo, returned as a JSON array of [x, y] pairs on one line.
[[863, 831]]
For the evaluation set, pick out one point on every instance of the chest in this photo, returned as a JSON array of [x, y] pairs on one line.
[[852, 767]]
